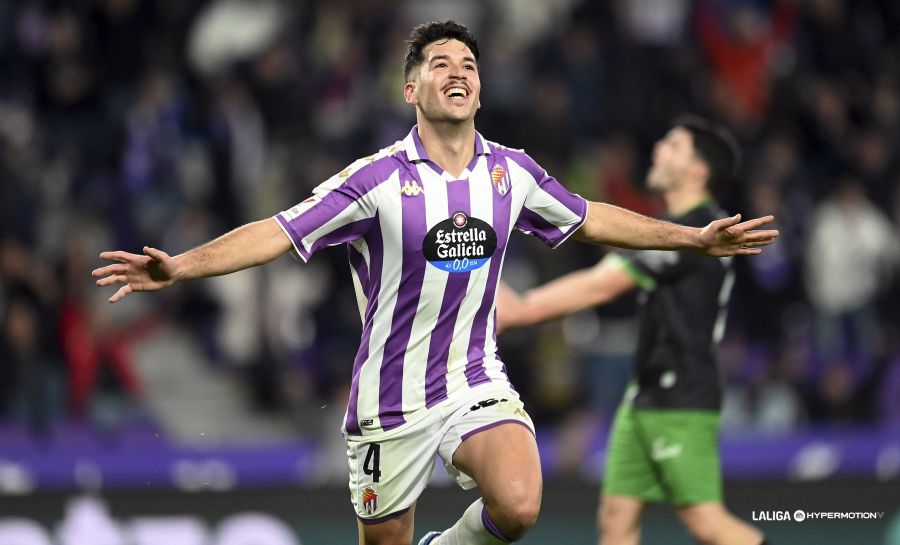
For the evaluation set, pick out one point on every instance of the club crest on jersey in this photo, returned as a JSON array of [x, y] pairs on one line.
[[460, 243], [370, 500], [501, 180], [411, 188]]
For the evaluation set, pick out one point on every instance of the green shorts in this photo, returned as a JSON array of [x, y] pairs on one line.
[[664, 455]]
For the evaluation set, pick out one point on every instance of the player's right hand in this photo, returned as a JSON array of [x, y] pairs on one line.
[[149, 272]]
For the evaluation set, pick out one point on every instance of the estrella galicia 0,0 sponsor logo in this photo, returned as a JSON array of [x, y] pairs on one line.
[[460, 243]]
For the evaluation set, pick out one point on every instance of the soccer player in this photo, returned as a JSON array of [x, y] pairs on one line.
[[664, 441], [425, 223]]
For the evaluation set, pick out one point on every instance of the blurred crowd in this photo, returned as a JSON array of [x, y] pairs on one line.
[[168, 122]]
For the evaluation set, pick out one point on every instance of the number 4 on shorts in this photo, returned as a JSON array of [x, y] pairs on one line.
[[372, 464]]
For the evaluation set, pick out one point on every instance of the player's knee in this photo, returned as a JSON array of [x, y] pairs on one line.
[[616, 519], [518, 514], [520, 519]]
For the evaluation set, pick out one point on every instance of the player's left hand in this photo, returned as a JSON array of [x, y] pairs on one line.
[[728, 236]]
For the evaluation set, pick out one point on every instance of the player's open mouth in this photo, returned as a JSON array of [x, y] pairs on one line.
[[457, 94]]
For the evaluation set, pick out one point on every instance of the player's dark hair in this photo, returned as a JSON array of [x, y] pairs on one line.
[[427, 33], [715, 145]]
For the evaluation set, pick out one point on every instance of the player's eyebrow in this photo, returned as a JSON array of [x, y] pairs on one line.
[[447, 58]]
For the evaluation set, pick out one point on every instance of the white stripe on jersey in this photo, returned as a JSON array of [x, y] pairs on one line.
[[370, 375]]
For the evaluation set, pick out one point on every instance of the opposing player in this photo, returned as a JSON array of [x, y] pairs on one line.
[[664, 442], [426, 222]]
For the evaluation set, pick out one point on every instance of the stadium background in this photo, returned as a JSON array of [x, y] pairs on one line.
[[167, 122]]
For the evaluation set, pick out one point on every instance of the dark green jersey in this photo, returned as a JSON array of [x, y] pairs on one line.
[[683, 311]]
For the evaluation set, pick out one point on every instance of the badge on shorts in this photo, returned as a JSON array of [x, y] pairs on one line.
[[370, 500]]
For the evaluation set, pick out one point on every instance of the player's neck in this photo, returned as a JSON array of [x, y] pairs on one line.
[[684, 200], [449, 145]]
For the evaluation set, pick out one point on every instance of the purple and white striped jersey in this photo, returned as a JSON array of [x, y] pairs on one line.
[[425, 253]]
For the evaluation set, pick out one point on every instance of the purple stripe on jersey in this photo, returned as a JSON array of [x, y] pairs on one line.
[[347, 233], [475, 369], [339, 199], [442, 335], [376, 252], [535, 224], [296, 237], [390, 391]]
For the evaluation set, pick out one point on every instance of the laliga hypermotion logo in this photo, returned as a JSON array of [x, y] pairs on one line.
[[370, 500], [500, 179]]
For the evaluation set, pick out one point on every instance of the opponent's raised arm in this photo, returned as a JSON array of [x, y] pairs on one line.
[[614, 226], [565, 295], [247, 246]]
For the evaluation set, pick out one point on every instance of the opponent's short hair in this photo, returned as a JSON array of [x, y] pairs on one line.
[[715, 145], [427, 33]]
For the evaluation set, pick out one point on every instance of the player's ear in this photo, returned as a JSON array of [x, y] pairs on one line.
[[410, 93]]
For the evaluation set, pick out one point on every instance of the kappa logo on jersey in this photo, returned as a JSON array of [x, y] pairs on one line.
[[501, 180], [370, 500], [411, 188], [460, 243]]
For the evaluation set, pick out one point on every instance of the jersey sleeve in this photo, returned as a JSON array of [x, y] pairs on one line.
[[342, 209], [550, 212]]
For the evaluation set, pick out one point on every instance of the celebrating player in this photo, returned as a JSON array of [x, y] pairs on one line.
[[425, 222]]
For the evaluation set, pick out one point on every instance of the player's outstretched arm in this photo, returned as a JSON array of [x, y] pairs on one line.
[[252, 244], [566, 295], [614, 226]]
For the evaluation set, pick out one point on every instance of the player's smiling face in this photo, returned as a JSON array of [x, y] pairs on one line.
[[446, 86]]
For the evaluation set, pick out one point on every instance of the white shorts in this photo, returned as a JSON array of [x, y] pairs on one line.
[[389, 470]]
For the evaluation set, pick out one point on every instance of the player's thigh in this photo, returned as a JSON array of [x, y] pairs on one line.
[[389, 471], [397, 530], [629, 469], [684, 447], [504, 461], [492, 441]]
